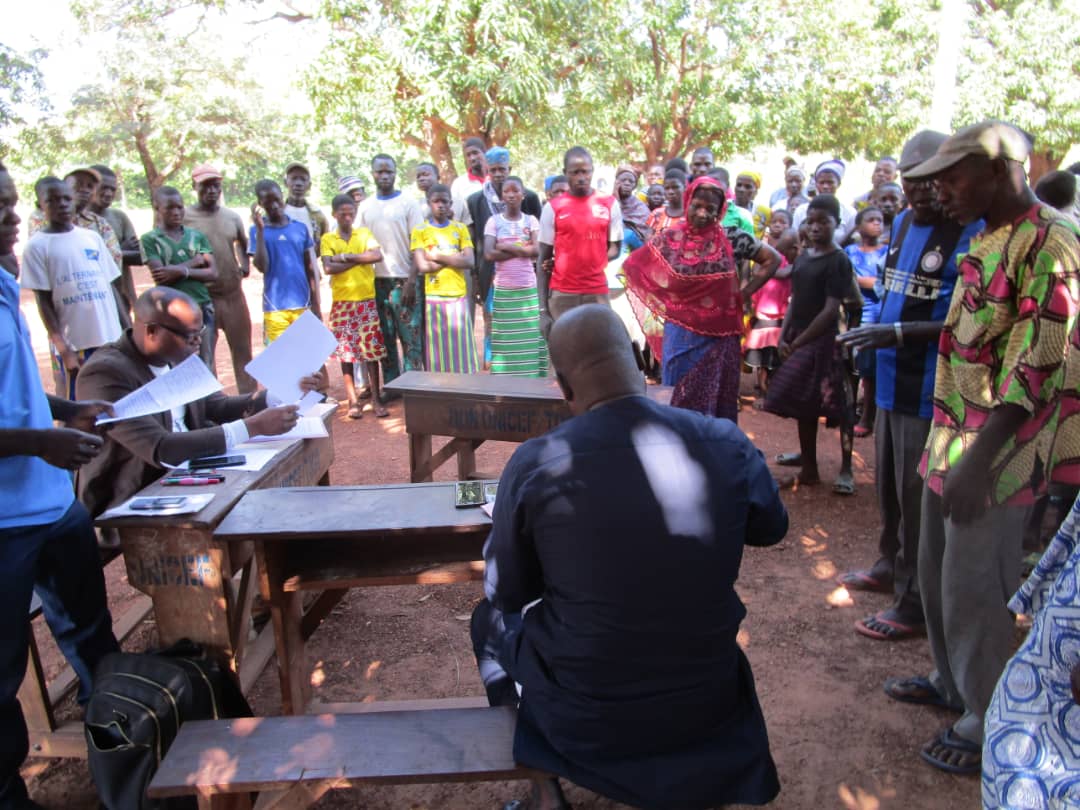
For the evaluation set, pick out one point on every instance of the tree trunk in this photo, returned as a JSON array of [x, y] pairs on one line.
[[153, 176], [1042, 163]]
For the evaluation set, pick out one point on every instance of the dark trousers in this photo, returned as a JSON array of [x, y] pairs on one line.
[[400, 323], [60, 561], [232, 317], [492, 632], [898, 442]]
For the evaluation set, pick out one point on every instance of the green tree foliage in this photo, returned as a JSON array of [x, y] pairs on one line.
[[427, 74], [163, 106], [1021, 63], [20, 84]]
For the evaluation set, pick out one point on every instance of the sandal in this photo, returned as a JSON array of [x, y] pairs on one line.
[[882, 628], [917, 690], [789, 459], [793, 482], [953, 754], [381, 412], [844, 484], [862, 431], [355, 412], [864, 581]]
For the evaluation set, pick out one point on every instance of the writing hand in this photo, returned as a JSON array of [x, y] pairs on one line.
[[68, 448], [272, 421]]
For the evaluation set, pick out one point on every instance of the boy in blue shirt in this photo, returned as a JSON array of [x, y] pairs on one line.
[[281, 249]]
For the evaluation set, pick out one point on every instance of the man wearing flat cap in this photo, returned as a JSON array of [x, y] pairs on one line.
[[228, 240], [1006, 418]]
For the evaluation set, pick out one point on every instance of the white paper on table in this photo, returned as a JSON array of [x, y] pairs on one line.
[[192, 504], [307, 427], [187, 382], [301, 350], [258, 454]]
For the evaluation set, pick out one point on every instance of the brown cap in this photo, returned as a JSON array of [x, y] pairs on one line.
[[85, 170], [297, 165], [204, 172], [992, 139], [919, 148]]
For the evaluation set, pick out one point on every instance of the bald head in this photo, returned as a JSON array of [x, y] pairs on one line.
[[168, 325], [593, 357]]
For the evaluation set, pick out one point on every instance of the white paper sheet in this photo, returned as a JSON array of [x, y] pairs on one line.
[[307, 427], [187, 382], [301, 350], [192, 504], [259, 454]]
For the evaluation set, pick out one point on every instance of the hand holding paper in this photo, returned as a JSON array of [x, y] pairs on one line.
[[301, 349], [187, 382]]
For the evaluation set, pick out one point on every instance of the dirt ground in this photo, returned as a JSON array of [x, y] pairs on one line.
[[837, 740]]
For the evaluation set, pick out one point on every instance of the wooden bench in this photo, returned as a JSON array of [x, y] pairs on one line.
[[39, 699], [293, 761]]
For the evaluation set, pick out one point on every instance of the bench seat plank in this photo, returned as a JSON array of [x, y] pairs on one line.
[[274, 753]]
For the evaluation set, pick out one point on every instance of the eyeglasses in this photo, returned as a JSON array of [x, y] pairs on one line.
[[189, 337]]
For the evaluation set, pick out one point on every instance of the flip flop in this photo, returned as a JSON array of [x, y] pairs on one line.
[[789, 459], [355, 412], [844, 484], [381, 412], [966, 756], [863, 581], [917, 690], [880, 628]]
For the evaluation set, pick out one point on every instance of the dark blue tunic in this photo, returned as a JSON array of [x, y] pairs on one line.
[[629, 522]]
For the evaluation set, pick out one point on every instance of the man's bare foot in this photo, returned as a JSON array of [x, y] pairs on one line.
[[380, 410], [801, 479]]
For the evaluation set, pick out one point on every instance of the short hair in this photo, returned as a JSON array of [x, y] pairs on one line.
[[782, 212], [720, 173], [702, 150], [167, 191], [889, 158], [104, 170], [675, 174], [438, 188], [264, 186], [431, 166], [899, 189], [859, 217], [474, 141], [383, 156], [513, 178], [46, 181], [1057, 189], [340, 200], [575, 152], [1074, 168], [676, 163]]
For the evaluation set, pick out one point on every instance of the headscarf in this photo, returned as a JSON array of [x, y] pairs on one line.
[[753, 176], [697, 183], [834, 165], [688, 276], [499, 155], [626, 168], [795, 170]]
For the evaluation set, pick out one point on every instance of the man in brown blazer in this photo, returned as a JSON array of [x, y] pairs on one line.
[[168, 328]]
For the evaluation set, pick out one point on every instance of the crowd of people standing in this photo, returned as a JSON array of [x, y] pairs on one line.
[[947, 294]]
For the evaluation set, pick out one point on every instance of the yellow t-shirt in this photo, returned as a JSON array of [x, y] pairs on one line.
[[453, 237], [356, 283]]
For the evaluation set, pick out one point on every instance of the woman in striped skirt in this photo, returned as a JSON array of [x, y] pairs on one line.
[[511, 241]]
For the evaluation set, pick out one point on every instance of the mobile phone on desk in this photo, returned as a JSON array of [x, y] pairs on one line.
[[213, 462], [163, 502], [469, 493]]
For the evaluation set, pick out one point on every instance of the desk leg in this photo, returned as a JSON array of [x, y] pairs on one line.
[[420, 457], [286, 612], [466, 459]]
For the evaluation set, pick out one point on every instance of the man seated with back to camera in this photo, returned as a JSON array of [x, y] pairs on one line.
[[627, 524], [168, 329]]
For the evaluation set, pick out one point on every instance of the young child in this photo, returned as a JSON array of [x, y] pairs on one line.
[[655, 197], [75, 282], [769, 303], [348, 257], [889, 199], [812, 381], [281, 249], [512, 241], [443, 252], [868, 259], [672, 212], [182, 258]]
